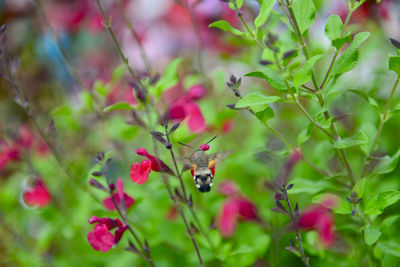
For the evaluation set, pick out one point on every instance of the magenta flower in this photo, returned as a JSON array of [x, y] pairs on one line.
[[100, 238], [8, 153], [235, 208], [118, 196], [186, 107], [37, 195], [157, 164], [140, 172], [320, 219]]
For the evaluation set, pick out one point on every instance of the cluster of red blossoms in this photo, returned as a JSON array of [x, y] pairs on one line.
[[319, 218], [11, 152], [101, 238]]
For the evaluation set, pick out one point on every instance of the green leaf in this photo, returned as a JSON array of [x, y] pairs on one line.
[[304, 135], [387, 164], [265, 115], [376, 205], [334, 27], [394, 64], [348, 60], [357, 139], [339, 42], [389, 221], [369, 99], [307, 186], [239, 4], [359, 187], [304, 10], [117, 73], [101, 88], [371, 234], [257, 101], [265, 11], [169, 79], [118, 106], [303, 75], [225, 26], [271, 77]]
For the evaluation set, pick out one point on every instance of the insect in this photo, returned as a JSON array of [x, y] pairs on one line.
[[202, 165]]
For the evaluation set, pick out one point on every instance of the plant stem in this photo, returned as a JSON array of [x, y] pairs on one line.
[[298, 236], [189, 205], [143, 253], [107, 25], [382, 122], [321, 101], [135, 36]]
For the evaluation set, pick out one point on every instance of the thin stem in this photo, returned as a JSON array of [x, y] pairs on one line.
[[382, 122], [135, 36], [321, 101], [240, 16], [189, 205], [143, 253], [298, 236], [107, 25]]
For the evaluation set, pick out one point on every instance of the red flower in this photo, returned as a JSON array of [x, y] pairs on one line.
[[140, 172], [205, 147], [185, 107], [157, 164], [234, 209], [8, 153], [101, 238], [319, 218], [108, 202], [37, 195]]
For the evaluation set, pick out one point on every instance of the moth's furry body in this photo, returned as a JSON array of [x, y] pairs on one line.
[[201, 163]]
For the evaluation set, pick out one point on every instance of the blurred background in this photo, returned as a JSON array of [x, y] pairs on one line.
[[68, 71]]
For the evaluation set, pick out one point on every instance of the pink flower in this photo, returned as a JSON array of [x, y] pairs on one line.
[[157, 164], [319, 218], [8, 153], [204, 147], [108, 202], [140, 172], [37, 195], [186, 107], [101, 238], [195, 92], [233, 210], [228, 188], [26, 138]]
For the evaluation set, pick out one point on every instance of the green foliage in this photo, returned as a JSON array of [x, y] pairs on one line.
[[303, 75], [394, 64], [304, 10], [225, 26], [355, 140], [271, 77], [377, 204], [118, 106], [169, 79], [371, 234], [334, 27], [348, 60], [257, 101], [265, 11]]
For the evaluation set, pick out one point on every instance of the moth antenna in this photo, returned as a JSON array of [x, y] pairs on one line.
[[186, 145], [211, 140]]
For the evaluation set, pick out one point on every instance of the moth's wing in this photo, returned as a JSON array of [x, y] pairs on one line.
[[187, 163], [215, 158]]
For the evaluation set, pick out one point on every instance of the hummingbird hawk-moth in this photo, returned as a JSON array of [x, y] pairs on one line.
[[202, 165]]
